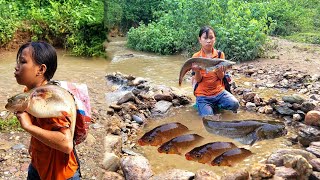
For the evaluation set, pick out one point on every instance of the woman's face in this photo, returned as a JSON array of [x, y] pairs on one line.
[[26, 69], [207, 42]]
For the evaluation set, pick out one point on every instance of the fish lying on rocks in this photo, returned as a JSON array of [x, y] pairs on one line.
[[180, 143], [231, 157], [205, 153], [245, 131], [162, 134], [46, 101], [204, 63]]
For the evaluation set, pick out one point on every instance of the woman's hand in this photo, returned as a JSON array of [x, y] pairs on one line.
[[24, 119], [195, 67], [220, 72]]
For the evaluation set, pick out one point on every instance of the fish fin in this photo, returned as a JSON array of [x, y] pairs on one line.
[[66, 115], [42, 94]]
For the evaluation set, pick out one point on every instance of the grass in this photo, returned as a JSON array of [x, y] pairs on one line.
[[308, 37]]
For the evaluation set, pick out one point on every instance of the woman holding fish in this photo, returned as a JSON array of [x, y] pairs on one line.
[[208, 86], [51, 146]]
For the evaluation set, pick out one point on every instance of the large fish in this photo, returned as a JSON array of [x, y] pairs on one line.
[[231, 157], [205, 153], [245, 131], [204, 63], [180, 143], [46, 101], [162, 134]]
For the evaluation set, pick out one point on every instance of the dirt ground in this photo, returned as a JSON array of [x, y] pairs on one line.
[[281, 54]]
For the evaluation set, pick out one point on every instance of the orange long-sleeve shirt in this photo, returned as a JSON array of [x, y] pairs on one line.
[[211, 83]]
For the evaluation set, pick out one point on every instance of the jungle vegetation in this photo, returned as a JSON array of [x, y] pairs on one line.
[[161, 26]]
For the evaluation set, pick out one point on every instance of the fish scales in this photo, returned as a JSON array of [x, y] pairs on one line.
[[245, 131], [180, 143], [162, 134], [231, 157], [205, 153], [204, 63], [46, 101]]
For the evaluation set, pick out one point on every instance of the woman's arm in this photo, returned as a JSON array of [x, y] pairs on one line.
[[220, 72], [61, 140]]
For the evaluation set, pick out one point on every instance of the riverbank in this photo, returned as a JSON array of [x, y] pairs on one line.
[[14, 157]]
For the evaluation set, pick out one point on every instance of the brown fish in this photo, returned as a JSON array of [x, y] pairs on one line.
[[180, 143], [231, 157], [207, 152], [204, 63], [162, 134]]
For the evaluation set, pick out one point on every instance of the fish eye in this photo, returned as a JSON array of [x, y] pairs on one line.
[[150, 139], [198, 155]]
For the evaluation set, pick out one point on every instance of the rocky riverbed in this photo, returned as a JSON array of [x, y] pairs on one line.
[[108, 152]]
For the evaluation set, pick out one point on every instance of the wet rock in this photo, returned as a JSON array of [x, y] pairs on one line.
[[293, 99], [276, 157], [286, 173], [205, 175], [138, 119], [314, 148], [165, 97], [108, 175], [90, 140], [250, 106], [110, 162], [314, 176], [113, 143], [296, 117], [312, 118], [268, 109], [249, 97], [308, 134], [238, 175], [315, 163], [174, 174], [307, 106], [284, 110], [299, 164], [184, 100], [115, 107], [127, 97], [136, 167], [263, 171], [18, 146], [161, 107]]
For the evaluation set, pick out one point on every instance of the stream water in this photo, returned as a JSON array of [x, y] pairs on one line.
[[159, 70]]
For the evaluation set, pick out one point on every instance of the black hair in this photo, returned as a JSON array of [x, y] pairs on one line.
[[42, 53], [206, 29]]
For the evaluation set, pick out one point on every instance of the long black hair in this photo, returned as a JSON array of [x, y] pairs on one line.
[[206, 29]]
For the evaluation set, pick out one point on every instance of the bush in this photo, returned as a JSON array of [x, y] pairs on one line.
[[239, 34], [8, 21]]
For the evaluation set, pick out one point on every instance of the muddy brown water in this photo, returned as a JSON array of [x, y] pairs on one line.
[[159, 70]]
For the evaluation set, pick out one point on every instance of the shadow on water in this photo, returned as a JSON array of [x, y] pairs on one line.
[[162, 70]]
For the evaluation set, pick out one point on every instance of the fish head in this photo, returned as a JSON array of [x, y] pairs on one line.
[[194, 156], [168, 148], [271, 131], [18, 102], [147, 140]]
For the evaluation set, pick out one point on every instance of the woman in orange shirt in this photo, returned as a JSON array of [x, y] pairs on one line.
[[208, 86], [51, 145]]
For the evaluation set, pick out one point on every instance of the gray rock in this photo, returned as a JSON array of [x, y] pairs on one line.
[[113, 143], [314, 148], [284, 110], [176, 174], [108, 175], [308, 134], [293, 99], [286, 173], [127, 97], [315, 163], [161, 107], [136, 167], [206, 175], [276, 157], [110, 162]]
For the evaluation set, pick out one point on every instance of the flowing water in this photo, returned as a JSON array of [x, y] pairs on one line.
[[159, 70]]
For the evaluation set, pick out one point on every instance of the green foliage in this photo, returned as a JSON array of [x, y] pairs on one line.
[[10, 124], [239, 33], [8, 21]]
